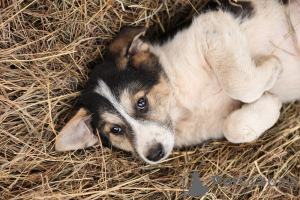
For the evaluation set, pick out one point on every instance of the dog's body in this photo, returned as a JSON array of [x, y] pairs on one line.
[[201, 107], [207, 82]]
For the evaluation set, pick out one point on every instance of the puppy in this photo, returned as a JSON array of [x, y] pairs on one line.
[[227, 74]]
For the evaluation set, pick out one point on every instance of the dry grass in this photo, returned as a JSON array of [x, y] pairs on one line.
[[45, 47]]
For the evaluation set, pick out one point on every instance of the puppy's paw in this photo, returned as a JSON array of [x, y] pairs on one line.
[[271, 68], [272, 100], [250, 121]]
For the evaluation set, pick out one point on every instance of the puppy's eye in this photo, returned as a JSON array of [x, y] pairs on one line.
[[116, 130], [142, 105]]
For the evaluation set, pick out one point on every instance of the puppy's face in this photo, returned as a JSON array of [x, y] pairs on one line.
[[127, 101]]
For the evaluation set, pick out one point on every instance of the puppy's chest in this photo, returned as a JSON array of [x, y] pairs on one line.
[[199, 111], [200, 105]]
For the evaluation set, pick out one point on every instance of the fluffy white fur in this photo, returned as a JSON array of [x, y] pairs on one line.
[[218, 62]]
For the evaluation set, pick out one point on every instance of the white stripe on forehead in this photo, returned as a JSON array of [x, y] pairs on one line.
[[104, 91]]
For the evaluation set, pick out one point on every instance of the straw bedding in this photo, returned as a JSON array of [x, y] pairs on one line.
[[46, 50]]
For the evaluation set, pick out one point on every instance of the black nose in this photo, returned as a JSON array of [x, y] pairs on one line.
[[156, 153]]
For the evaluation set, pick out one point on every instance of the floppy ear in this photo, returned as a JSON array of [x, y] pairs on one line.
[[127, 43], [77, 134]]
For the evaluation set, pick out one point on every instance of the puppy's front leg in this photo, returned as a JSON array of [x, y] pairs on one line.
[[226, 51], [251, 120]]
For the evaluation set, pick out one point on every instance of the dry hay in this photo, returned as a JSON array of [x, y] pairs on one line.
[[45, 48]]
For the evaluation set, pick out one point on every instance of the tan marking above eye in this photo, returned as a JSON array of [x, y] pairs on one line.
[[161, 89], [158, 97], [139, 95], [110, 118], [159, 94]]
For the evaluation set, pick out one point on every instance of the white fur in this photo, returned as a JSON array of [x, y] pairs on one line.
[[212, 67]]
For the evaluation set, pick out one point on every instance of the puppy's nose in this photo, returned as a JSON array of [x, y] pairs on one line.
[[156, 153]]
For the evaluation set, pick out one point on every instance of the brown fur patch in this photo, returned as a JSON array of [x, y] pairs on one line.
[[125, 38], [122, 62], [139, 95], [124, 41], [142, 59], [159, 101], [81, 113], [107, 128], [112, 118], [162, 88]]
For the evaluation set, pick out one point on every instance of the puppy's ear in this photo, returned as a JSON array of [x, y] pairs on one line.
[[77, 134], [127, 43]]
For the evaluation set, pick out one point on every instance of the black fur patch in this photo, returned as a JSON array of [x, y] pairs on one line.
[[117, 80], [243, 9], [169, 35], [284, 2], [238, 9]]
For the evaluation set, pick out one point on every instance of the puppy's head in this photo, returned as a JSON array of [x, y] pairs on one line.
[[126, 100]]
